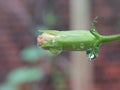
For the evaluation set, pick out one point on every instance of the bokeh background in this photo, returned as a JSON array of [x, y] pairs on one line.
[[24, 66]]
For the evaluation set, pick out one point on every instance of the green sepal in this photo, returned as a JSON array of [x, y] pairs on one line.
[[55, 51]]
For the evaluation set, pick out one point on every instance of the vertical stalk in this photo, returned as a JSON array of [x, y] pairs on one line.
[[81, 69]]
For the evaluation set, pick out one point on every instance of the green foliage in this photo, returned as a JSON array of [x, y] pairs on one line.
[[24, 75], [33, 53], [7, 87]]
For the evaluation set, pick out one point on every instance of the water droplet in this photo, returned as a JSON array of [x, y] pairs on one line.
[[92, 53], [91, 56]]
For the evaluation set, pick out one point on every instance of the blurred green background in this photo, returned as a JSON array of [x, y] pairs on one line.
[[25, 66]]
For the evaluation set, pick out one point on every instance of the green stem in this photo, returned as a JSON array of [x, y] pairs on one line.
[[110, 38]]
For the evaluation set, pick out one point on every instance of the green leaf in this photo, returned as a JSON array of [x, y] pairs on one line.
[[33, 53], [25, 75]]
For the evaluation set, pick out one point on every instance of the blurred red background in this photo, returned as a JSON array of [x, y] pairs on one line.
[[20, 20]]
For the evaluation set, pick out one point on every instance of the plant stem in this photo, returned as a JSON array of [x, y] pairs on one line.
[[110, 38]]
